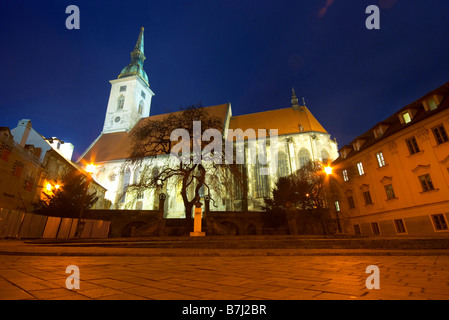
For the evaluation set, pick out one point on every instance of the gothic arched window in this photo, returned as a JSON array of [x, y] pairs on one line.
[[261, 180], [282, 162], [120, 102], [324, 155], [304, 157]]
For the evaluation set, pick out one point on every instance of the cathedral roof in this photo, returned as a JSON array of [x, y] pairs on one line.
[[117, 145], [286, 121]]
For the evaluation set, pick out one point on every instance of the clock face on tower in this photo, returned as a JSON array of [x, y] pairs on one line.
[[117, 119]]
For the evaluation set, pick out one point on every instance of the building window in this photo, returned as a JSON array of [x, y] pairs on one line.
[[351, 203], [357, 230], [440, 134], [337, 206], [325, 155], [439, 222], [389, 191], [360, 169], [141, 107], [143, 95], [17, 168], [282, 165], [380, 159], [345, 175], [140, 195], [375, 228], [399, 225], [261, 181], [367, 197], [122, 88], [412, 146], [426, 183], [120, 102], [407, 118], [304, 157]]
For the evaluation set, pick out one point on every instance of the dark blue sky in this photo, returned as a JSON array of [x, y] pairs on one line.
[[249, 53]]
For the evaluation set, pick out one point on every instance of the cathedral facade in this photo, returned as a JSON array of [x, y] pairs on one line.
[[300, 138]]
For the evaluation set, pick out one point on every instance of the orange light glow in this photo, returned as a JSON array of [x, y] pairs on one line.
[[328, 170], [57, 186], [90, 168], [48, 186]]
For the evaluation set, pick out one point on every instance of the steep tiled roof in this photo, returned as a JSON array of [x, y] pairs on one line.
[[117, 145], [286, 121], [394, 125]]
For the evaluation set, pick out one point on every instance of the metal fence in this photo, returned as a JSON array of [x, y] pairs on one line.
[[17, 224]]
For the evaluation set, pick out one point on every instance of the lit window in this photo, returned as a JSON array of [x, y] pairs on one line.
[[389, 191], [380, 159], [426, 183], [360, 168], [412, 145], [439, 222], [406, 117], [337, 206], [345, 175], [440, 134], [367, 198], [399, 225], [432, 104]]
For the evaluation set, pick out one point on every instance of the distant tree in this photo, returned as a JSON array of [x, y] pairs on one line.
[[194, 171], [303, 191], [66, 201]]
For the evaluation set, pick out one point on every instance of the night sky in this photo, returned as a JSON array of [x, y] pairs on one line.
[[248, 53]]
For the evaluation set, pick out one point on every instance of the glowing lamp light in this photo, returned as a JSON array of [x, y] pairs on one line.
[[90, 168], [48, 186], [57, 186], [328, 170]]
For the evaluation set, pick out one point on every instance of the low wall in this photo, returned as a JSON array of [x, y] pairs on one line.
[[22, 225]]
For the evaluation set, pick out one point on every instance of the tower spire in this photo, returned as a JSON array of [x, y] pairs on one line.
[[137, 58], [294, 100]]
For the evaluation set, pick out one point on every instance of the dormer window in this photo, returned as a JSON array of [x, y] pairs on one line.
[[379, 130], [345, 151], [406, 117], [357, 144], [432, 103]]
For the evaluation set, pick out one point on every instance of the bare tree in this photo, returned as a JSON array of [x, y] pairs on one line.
[[201, 168]]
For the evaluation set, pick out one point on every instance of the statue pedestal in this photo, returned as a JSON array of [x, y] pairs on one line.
[[197, 223]]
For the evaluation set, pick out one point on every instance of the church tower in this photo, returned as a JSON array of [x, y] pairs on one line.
[[130, 97]]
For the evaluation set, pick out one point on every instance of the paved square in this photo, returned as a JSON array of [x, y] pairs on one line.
[[225, 278]]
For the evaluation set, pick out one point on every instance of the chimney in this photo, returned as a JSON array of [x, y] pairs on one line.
[[26, 123]]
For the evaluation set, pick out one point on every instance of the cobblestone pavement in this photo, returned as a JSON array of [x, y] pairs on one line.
[[224, 277]]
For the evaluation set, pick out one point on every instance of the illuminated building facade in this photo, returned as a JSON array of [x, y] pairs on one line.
[[394, 178], [300, 138]]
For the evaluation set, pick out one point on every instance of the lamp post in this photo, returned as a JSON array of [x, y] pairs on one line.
[[328, 170], [89, 169]]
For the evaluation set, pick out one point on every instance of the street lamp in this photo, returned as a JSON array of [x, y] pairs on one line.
[[90, 168], [328, 170]]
